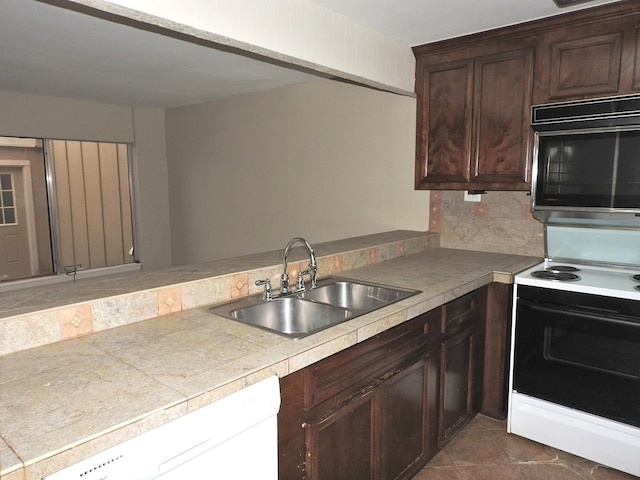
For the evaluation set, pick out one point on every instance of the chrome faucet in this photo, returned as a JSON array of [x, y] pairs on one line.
[[312, 270]]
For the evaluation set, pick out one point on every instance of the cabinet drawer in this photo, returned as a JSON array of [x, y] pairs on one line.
[[459, 312], [347, 373]]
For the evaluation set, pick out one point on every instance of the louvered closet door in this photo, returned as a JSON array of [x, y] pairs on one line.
[[92, 203]]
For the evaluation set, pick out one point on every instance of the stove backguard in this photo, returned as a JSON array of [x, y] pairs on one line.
[[609, 246]]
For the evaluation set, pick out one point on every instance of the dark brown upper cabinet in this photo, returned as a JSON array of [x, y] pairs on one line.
[[585, 66], [473, 121], [475, 92], [444, 123], [583, 59], [635, 84]]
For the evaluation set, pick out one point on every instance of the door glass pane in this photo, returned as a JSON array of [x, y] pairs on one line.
[[5, 182], [7, 201]]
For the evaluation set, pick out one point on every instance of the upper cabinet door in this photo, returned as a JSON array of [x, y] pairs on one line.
[[585, 66], [444, 123], [502, 136], [635, 84], [473, 122]]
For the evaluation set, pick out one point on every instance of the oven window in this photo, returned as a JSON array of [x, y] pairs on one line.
[[598, 170], [607, 355]]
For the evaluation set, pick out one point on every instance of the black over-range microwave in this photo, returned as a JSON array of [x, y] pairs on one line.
[[586, 162]]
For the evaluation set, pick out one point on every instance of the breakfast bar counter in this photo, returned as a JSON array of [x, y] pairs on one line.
[[100, 361]]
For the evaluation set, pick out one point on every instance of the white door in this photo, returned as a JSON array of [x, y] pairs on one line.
[[15, 256]]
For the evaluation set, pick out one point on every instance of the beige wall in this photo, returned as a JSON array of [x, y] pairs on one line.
[[48, 117], [323, 160], [151, 188], [39, 116]]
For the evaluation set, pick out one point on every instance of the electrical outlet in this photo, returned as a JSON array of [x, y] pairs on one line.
[[472, 197]]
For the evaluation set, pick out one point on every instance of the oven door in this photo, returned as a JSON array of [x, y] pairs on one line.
[[577, 350]]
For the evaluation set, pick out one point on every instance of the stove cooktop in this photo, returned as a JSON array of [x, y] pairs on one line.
[[575, 277]]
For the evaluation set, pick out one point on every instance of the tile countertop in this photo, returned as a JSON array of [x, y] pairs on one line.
[[63, 402]]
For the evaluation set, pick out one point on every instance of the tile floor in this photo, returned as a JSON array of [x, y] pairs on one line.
[[485, 451]]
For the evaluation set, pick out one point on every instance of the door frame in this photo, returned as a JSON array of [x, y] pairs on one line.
[[30, 219]]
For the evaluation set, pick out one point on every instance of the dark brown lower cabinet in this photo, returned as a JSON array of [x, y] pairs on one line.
[[381, 409], [342, 441], [457, 383], [379, 435], [461, 362], [496, 352], [408, 420], [369, 412]]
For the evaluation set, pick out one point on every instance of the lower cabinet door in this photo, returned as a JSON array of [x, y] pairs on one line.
[[456, 383], [405, 434], [341, 443]]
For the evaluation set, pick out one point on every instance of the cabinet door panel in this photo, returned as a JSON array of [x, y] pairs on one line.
[[456, 387], [444, 122], [403, 420], [496, 350], [342, 442], [502, 99], [585, 66], [636, 67]]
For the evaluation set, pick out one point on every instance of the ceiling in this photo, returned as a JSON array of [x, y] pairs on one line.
[[105, 61], [423, 21]]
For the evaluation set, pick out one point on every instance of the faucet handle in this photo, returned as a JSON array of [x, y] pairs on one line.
[[267, 288], [313, 273], [284, 283], [300, 279]]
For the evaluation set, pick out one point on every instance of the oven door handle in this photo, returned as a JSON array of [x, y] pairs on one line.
[[585, 313]]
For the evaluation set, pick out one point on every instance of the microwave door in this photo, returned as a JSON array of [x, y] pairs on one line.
[[595, 170]]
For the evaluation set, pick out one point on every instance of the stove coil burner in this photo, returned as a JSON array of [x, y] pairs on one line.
[[563, 268], [555, 274], [636, 277]]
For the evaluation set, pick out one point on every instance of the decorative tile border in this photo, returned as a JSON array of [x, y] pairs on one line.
[[52, 325]]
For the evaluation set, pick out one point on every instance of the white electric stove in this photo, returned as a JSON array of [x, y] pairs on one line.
[[575, 347]]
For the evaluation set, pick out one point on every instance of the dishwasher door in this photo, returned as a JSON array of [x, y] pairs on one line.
[[248, 455], [234, 437]]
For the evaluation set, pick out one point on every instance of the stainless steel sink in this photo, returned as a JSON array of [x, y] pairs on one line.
[[291, 315], [297, 315], [358, 297]]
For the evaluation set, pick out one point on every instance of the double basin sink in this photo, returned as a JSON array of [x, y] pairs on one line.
[[296, 315]]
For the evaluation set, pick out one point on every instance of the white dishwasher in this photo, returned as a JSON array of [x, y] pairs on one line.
[[233, 438]]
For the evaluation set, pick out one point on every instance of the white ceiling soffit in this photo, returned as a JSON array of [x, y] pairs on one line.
[[54, 51], [417, 22]]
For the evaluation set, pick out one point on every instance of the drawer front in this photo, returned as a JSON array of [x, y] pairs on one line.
[[347, 373], [458, 313]]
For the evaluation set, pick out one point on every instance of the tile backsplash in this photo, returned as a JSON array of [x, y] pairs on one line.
[[501, 222], [37, 316]]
